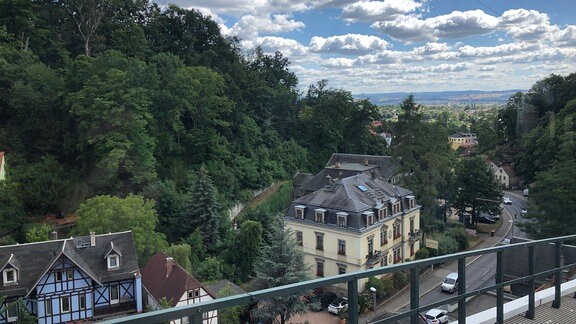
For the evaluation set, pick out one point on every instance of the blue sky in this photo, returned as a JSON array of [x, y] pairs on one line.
[[406, 45]]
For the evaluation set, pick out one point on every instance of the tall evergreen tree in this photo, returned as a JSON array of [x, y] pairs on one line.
[[478, 189], [246, 247], [205, 209], [279, 264]]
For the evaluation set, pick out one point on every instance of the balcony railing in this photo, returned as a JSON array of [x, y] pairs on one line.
[[195, 311], [415, 235]]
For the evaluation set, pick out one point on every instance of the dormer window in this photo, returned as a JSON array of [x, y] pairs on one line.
[[299, 211], [113, 261], [319, 215], [396, 208], [382, 213], [113, 257], [10, 276], [369, 218], [411, 201], [342, 219]]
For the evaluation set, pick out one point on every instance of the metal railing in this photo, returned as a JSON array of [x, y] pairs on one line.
[[195, 311]]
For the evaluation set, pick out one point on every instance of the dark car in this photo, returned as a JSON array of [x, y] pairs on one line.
[[486, 219]]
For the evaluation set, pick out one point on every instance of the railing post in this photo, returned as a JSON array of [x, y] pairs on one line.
[[557, 275], [196, 318], [531, 312], [414, 293], [462, 290], [500, 290], [353, 301]]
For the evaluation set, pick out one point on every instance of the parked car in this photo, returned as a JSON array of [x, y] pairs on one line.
[[436, 316], [495, 216], [337, 305], [486, 219], [523, 211], [507, 201]]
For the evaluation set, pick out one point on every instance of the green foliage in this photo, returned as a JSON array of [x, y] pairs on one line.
[[447, 245], [399, 280], [387, 286], [246, 248], [38, 233], [378, 284], [12, 212], [197, 248], [181, 254], [478, 189], [229, 314], [210, 269], [460, 235], [104, 214], [422, 253], [279, 264]]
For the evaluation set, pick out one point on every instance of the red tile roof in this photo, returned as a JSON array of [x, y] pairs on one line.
[[171, 286]]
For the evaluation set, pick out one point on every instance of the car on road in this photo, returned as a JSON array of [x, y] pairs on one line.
[[507, 201], [486, 219], [523, 212], [436, 316], [337, 305], [450, 283]]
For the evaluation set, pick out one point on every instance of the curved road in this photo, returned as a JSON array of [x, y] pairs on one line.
[[481, 271]]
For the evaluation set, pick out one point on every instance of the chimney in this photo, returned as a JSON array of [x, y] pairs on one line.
[[373, 174], [54, 235], [92, 239], [337, 165], [169, 266], [328, 179]]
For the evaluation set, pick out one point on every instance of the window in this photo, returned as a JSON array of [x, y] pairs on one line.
[[382, 213], [397, 233], [370, 245], [341, 269], [299, 212], [411, 203], [114, 295], [319, 215], [396, 208], [70, 274], [82, 301], [113, 261], [12, 313], [193, 293], [369, 219], [383, 235], [319, 241], [9, 276], [48, 307], [384, 261], [320, 268], [342, 247], [397, 256], [65, 304], [411, 249], [58, 275], [299, 238], [411, 225], [342, 219]]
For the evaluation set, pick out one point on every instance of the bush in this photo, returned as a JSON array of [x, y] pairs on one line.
[[447, 245], [460, 235], [387, 286], [423, 253], [378, 284], [399, 280]]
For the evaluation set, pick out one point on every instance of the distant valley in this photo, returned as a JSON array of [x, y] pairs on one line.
[[445, 98]]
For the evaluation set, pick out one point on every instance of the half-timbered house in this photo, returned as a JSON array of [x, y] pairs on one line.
[[166, 283], [74, 279]]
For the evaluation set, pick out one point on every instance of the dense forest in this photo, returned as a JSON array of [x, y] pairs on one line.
[[123, 104]]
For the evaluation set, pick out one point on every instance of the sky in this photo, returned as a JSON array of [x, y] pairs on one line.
[[406, 45]]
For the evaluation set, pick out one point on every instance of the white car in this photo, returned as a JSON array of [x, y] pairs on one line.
[[507, 201], [337, 305], [436, 316], [523, 212]]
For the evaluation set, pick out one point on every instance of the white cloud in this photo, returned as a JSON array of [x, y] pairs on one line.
[[249, 27], [369, 11], [566, 37], [431, 48], [289, 47], [348, 44]]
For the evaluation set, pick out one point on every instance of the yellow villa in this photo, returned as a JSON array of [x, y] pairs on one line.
[[355, 223]]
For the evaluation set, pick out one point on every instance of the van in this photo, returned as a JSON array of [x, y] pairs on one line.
[[525, 192], [450, 283]]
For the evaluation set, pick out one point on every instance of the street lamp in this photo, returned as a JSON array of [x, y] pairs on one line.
[[373, 290]]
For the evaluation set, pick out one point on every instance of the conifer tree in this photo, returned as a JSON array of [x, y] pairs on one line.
[[279, 264]]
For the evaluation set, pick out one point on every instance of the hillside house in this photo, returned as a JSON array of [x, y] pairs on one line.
[[165, 281], [76, 279]]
